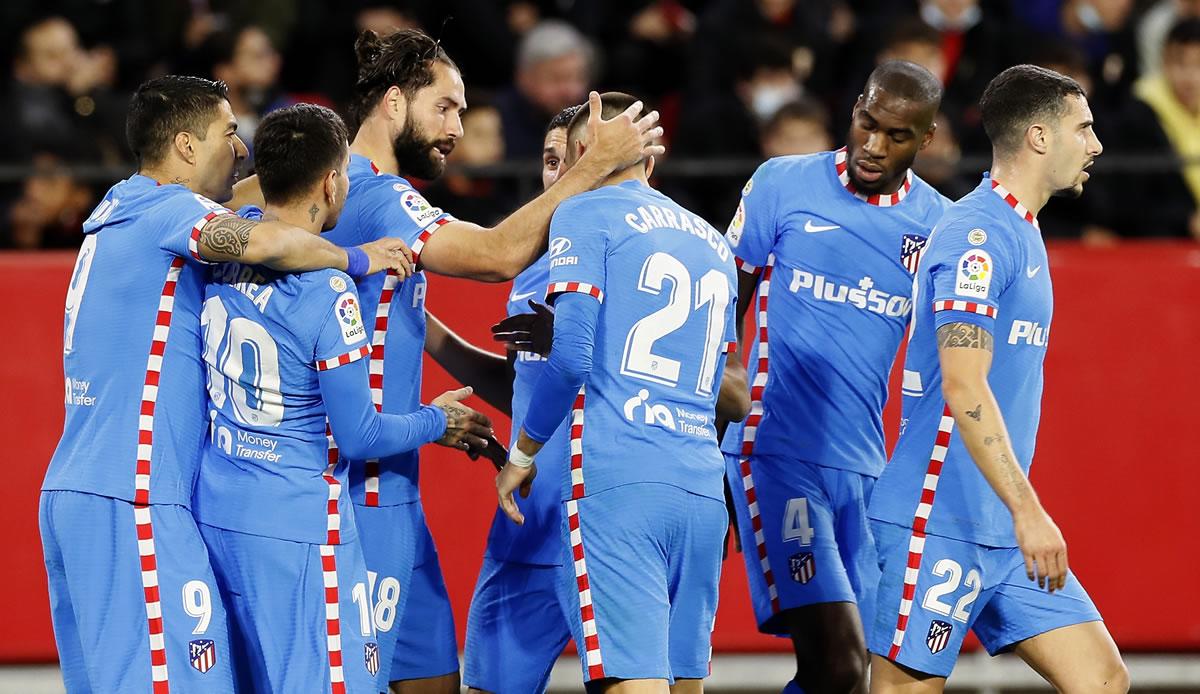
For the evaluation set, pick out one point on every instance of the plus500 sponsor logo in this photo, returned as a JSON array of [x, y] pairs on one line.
[[864, 296], [1028, 332]]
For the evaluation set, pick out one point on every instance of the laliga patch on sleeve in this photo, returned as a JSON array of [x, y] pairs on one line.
[[734, 233], [416, 207], [349, 318], [974, 274], [209, 204]]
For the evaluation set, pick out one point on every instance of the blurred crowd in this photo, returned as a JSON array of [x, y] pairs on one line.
[[736, 81]]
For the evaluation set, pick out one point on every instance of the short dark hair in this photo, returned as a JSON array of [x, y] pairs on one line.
[[562, 119], [1020, 96], [1184, 31], [166, 106], [612, 104], [804, 109], [908, 81], [295, 147], [404, 59]]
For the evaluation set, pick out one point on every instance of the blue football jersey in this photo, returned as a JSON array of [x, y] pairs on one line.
[[537, 541], [134, 382], [986, 265], [668, 292], [382, 205], [266, 468], [835, 290]]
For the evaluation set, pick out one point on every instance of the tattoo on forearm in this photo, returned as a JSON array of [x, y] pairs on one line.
[[227, 234], [964, 335], [1013, 475], [989, 440], [312, 212], [976, 413]]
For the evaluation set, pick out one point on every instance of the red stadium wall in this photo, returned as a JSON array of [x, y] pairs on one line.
[[1116, 466]]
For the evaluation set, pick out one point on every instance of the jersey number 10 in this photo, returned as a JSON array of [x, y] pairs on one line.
[[247, 369]]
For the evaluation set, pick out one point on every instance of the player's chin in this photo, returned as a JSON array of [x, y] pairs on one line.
[[1070, 192]]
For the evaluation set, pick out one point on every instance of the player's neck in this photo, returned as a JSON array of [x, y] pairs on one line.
[[637, 172], [372, 142], [1023, 181], [307, 215], [164, 174]]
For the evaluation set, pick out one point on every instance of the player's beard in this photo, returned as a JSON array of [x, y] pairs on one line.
[[414, 152]]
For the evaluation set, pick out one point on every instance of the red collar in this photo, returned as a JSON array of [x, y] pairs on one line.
[[1014, 203], [842, 165]]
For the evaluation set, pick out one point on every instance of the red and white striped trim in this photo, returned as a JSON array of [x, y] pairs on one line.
[[587, 613], [576, 287], [744, 266], [194, 238], [841, 163], [333, 621], [967, 306], [375, 369], [154, 618], [343, 359], [751, 431], [577, 490], [423, 237], [374, 168], [916, 543], [1014, 203], [730, 346], [141, 483], [333, 525]]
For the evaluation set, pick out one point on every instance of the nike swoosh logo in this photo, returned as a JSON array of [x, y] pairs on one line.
[[1030, 272], [813, 228], [517, 297]]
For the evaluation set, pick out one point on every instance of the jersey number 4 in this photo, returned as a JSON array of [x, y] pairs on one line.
[[712, 291], [243, 362]]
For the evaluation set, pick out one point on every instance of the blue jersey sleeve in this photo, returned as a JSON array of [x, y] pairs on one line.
[[578, 251], [566, 371], [970, 268], [400, 211], [342, 331], [360, 431], [181, 235], [752, 232]]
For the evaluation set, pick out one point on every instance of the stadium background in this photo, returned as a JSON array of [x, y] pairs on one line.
[[736, 80]]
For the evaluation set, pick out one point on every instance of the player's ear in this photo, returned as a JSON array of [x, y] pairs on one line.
[[395, 103], [329, 186], [649, 167], [1037, 136], [183, 145], [928, 136]]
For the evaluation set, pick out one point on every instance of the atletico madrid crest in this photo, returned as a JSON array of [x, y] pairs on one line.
[[802, 567], [371, 656], [203, 654], [939, 636], [910, 251]]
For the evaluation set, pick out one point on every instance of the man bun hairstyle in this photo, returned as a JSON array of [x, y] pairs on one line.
[[1019, 97], [404, 59], [294, 149], [166, 106]]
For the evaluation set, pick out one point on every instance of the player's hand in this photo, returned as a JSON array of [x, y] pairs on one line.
[[509, 480], [1043, 547], [390, 253], [465, 428], [494, 451], [621, 141], [527, 332]]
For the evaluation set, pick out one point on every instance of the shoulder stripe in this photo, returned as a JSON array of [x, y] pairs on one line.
[[194, 238], [966, 306], [343, 359], [744, 266], [575, 287]]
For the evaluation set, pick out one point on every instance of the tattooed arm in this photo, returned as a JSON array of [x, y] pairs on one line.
[[284, 247], [965, 354]]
